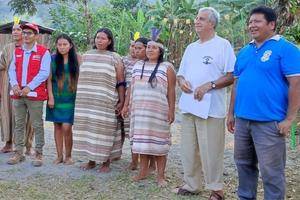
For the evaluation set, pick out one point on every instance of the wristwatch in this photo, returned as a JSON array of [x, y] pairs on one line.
[[213, 85]]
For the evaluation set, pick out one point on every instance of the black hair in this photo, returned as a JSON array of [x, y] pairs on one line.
[[152, 79], [73, 65], [142, 40], [109, 35], [269, 13]]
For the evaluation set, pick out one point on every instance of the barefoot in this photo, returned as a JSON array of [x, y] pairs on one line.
[[161, 182], [6, 149], [139, 177], [58, 160], [68, 161], [104, 169], [88, 165], [132, 166], [28, 152]]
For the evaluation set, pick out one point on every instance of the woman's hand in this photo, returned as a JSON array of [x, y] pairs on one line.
[[51, 102], [119, 107], [124, 112], [171, 117]]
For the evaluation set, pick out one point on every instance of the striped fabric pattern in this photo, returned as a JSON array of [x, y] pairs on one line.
[[64, 101], [128, 62], [149, 129], [96, 136], [7, 121]]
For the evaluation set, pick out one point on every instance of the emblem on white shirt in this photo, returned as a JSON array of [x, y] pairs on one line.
[[207, 60], [266, 56]]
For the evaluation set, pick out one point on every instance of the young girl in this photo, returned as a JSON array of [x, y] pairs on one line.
[[152, 105], [62, 85]]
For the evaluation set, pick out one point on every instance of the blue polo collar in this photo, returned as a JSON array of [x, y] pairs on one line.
[[275, 37]]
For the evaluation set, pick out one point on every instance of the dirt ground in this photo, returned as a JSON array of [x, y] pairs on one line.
[[57, 182]]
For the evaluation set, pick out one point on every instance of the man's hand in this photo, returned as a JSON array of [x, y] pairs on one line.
[[230, 123], [17, 91], [184, 85], [284, 127], [25, 91], [201, 90]]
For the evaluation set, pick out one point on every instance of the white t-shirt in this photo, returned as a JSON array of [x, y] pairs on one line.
[[206, 62]]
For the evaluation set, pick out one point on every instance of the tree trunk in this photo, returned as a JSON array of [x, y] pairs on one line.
[[285, 17], [88, 18]]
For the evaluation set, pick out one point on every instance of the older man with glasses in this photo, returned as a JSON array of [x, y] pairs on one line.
[[205, 72]]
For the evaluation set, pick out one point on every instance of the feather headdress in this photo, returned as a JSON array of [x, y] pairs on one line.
[[16, 20], [154, 37], [134, 37]]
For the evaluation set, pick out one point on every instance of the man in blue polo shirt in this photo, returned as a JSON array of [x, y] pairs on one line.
[[264, 101]]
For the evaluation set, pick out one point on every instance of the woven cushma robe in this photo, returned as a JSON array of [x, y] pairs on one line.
[[149, 126], [96, 133]]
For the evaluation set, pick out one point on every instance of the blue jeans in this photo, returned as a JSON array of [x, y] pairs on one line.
[[259, 144]]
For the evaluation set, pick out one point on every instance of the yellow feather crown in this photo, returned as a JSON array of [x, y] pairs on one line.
[[136, 36], [16, 20]]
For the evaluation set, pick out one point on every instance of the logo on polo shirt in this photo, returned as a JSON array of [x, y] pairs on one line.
[[207, 60], [36, 57], [266, 56]]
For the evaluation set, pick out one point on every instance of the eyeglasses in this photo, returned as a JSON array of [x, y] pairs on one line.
[[27, 33]]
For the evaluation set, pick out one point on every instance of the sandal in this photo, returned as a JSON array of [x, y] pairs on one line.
[[183, 192], [216, 196]]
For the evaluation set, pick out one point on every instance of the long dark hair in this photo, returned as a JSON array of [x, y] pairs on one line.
[[73, 65], [109, 35], [152, 79]]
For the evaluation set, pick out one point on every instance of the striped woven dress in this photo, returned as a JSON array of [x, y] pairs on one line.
[[128, 62], [149, 129], [96, 136], [64, 101]]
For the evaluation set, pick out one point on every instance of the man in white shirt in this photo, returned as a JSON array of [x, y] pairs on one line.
[[206, 69]]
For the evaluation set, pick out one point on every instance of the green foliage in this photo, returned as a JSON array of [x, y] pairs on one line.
[[175, 19], [123, 4], [293, 33], [71, 22], [29, 6], [74, 23], [81, 19]]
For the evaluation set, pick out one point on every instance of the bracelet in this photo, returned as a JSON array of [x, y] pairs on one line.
[[123, 83]]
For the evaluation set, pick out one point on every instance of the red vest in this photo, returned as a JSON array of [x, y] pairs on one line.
[[34, 66]]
